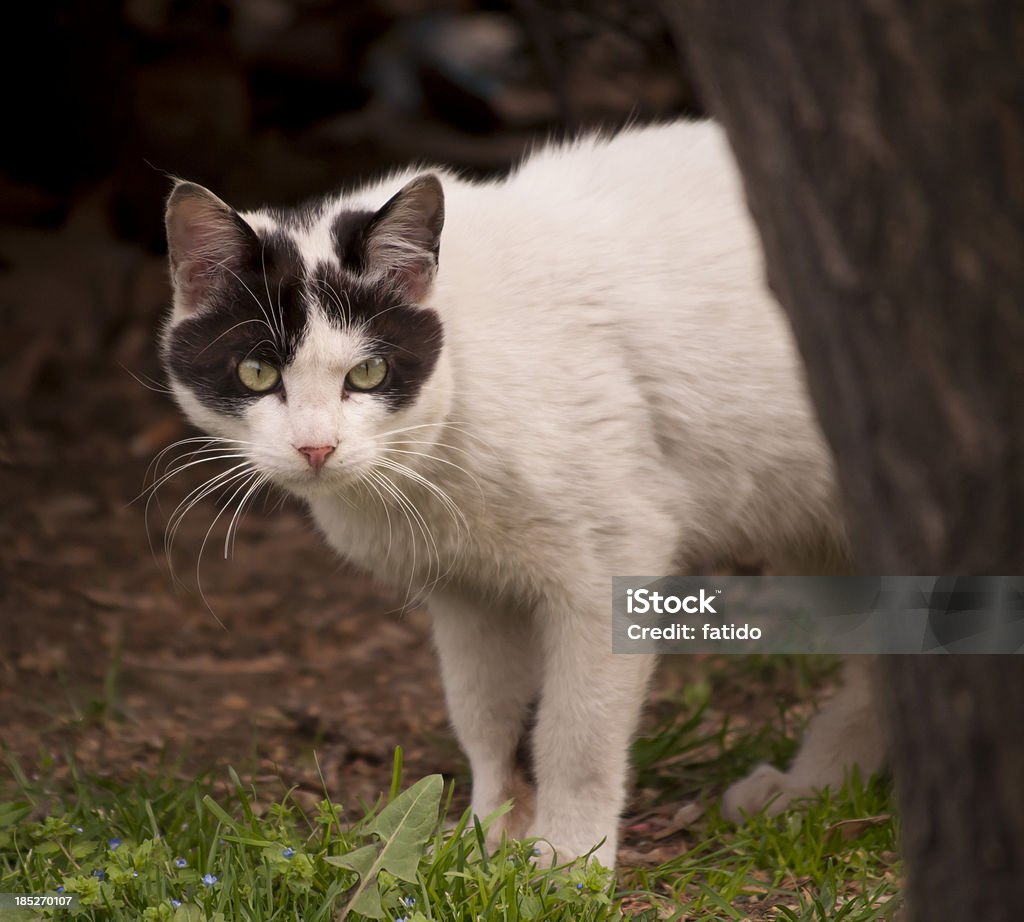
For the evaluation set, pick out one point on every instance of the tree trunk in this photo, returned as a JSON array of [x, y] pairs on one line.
[[960, 767], [882, 149]]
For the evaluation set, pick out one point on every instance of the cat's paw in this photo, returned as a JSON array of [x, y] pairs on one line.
[[548, 853], [765, 786]]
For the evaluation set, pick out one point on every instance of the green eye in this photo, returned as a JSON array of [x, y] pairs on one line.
[[368, 375], [257, 376]]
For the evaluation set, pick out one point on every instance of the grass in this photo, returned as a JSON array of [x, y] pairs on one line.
[[832, 857], [162, 850]]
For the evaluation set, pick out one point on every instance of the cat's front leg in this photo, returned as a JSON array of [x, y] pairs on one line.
[[589, 707], [490, 669]]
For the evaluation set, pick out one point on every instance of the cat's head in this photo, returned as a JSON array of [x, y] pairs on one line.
[[305, 339]]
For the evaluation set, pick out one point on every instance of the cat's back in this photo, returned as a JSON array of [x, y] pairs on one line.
[[629, 250], [629, 178], [604, 209]]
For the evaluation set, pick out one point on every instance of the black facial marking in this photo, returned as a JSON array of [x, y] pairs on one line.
[[408, 337], [349, 231], [259, 311]]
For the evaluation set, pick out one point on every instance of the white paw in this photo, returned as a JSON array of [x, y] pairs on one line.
[[764, 787], [548, 853]]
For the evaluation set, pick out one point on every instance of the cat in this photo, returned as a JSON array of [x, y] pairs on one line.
[[495, 396]]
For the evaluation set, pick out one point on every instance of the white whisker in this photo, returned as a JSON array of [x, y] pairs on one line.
[[266, 285], [446, 501], [196, 496], [151, 385], [235, 326], [248, 479], [387, 515], [423, 454], [232, 532], [413, 518]]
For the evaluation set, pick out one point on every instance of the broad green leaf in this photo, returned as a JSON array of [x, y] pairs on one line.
[[367, 902], [405, 824], [360, 861]]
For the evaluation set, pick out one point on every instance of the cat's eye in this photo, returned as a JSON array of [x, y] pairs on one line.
[[368, 375], [257, 376]]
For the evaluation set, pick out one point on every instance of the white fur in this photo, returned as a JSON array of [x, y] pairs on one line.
[[617, 394]]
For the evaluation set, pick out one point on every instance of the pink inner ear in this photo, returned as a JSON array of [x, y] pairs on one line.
[[195, 283], [414, 279], [201, 231], [203, 243]]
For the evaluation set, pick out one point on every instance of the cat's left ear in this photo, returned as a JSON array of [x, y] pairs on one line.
[[207, 243], [404, 237]]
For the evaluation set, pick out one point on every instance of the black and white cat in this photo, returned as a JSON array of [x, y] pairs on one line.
[[581, 376]]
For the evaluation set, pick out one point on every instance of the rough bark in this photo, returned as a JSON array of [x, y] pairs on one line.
[[959, 763], [883, 151], [882, 148]]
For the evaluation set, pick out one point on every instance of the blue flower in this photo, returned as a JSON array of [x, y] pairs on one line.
[[135, 873], [180, 862], [402, 919], [579, 886], [209, 879], [60, 889], [288, 853], [98, 873], [79, 829], [114, 844], [175, 903], [409, 900]]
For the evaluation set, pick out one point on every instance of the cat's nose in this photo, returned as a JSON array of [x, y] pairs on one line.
[[317, 456]]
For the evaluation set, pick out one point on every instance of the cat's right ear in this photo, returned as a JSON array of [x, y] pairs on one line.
[[206, 242], [404, 237]]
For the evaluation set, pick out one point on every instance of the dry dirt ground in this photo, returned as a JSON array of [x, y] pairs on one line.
[[104, 659]]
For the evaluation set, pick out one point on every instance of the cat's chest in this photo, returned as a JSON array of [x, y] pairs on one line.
[[421, 541]]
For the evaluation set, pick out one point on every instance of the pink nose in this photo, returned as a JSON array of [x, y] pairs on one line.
[[317, 456]]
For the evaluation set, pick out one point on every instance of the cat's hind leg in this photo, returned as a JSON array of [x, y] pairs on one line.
[[844, 734]]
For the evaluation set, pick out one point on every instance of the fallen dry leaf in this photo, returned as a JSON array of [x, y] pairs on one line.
[[852, 829]]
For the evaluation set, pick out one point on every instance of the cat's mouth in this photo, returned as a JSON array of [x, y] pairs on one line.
[[310, 481]]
